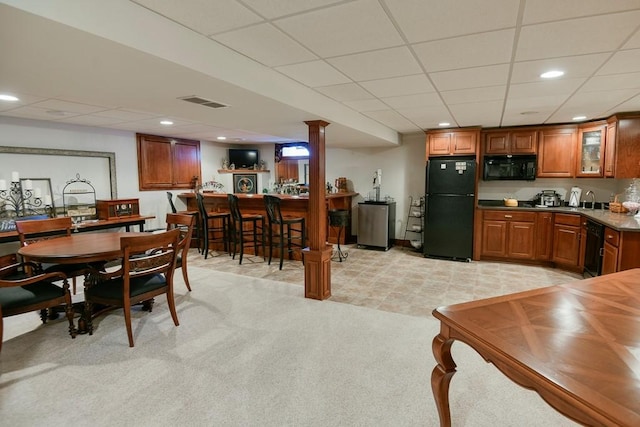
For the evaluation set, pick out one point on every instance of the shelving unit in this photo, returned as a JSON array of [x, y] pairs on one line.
[[79, 199], [414, 224]]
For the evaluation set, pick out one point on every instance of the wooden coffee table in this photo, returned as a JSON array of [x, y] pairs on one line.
[[577, 345]]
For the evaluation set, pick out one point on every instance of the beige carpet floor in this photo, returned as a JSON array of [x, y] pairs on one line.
[[251, 351]]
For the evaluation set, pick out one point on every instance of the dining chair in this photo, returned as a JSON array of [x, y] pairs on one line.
[[281, 230], [241, 235], [215, 227], [196, 234], [184, 223], [31, 231], [146, 271], [22, 293]]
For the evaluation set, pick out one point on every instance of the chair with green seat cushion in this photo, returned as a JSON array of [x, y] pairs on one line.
[[146, 271], [31, 293]]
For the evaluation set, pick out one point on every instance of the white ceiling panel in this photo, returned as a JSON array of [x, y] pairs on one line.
[[432, 20], [379, 64], [347, 28], [373, 68], [468, 51]]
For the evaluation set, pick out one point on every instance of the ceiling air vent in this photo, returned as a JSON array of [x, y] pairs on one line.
[[202, 101]]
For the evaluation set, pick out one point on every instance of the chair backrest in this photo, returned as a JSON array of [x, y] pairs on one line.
[[185, 224], [234, 209], [170, 197], [201, 208], [272, 206], [42, 229], [148, 254]]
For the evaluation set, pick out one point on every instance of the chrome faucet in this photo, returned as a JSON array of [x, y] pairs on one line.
[[593, 198]]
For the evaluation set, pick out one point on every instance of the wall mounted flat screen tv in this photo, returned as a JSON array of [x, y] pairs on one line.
[[243, 158]]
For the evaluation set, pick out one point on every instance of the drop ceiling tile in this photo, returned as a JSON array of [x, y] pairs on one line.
[[23, 99], [421, 20], [393, 120], [91, 120], [69, 107], [125, 115], [578, 36], [314, 73], [631, 105], [367, 105], [566, 115], [397, 86], [30, 112], [378, 64], [427, 117], [599, 100], [573, 66], [345, 92], [534, 103], [626, 61], [483, 113], [266, 44], [411, 101], [205, 17], [490, 93], [468, 51], [543, 88], [493, 75], [517, 119], [348, 28], [615, 81], [634, 42], [272, 9], [554, 10]]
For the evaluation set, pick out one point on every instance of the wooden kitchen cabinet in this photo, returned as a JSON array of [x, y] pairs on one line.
[[591, 150], [167, 163], [622, 158], [610, 251], [452, 142], [556, 152], [508, 234], [511, 141], [544, 236], [567, 232]]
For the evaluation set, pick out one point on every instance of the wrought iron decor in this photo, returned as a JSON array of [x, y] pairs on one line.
[[22, 197]]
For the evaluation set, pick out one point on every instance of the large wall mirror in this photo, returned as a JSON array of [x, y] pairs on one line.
[[59, 166], [292, 162]]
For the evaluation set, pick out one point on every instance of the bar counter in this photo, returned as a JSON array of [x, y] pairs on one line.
[[294, 206]]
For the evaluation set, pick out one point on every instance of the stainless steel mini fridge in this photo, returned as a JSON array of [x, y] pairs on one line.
[[376, 224]]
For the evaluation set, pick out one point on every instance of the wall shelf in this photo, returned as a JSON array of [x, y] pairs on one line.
[[243, 171]]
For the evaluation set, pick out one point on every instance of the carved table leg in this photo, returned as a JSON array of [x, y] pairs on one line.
[[441, 376]]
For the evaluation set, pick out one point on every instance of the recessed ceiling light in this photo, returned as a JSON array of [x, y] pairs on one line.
[[166, 122], [221, 138], [552, 74], [10, 98], [443, 124], [576, 118]]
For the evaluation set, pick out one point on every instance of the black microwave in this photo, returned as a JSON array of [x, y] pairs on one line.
[[509, 167]]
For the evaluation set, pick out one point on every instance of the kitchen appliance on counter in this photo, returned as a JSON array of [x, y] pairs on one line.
[[548, 198], [574, 197], [449, 206]]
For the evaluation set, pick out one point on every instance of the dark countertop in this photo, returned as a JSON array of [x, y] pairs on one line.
[[617, 221]]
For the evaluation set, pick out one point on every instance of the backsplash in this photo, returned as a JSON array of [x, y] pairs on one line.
[[527, 190]]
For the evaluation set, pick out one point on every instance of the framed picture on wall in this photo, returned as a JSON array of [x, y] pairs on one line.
[[245, 183]]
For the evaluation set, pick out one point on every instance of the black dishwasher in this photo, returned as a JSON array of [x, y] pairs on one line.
[[593, 249]]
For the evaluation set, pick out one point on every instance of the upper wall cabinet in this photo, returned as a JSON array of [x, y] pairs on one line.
[[590, 152], [556, 152], [452, 142], [167, 163], [510, 141], [622, 158]]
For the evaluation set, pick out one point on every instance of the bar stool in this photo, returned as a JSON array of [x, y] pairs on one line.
[[245, 236], [212, 233], [285, 229], [339, 218], [196, 235]]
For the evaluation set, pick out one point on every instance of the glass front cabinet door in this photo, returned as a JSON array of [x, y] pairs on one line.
[[591, 141]]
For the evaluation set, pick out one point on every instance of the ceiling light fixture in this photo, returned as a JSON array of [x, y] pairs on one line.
[[577, 118], [166, 122], [221, 138], [443, 124], [10, 98], [552, 74]]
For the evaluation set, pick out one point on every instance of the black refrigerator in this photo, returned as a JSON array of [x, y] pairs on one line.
[[450, 199]]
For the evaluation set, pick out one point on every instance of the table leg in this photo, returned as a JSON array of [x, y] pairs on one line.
[[441, 376]]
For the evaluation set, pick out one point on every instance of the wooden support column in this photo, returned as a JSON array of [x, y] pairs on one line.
[[317, 257]]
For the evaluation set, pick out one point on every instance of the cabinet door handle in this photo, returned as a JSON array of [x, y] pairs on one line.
[[609, 236], [508, 216]]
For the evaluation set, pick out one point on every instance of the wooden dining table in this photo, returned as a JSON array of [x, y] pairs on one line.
[[92, 248]]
